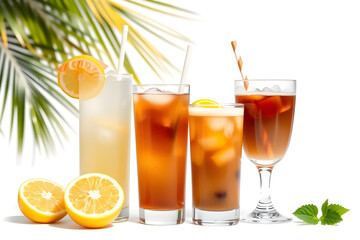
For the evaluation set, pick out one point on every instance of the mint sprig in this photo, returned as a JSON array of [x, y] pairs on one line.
[[331, 214]]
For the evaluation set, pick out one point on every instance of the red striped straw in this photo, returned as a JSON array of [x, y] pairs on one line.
[[240, 64]]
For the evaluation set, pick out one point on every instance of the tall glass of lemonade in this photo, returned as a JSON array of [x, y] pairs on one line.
[[105, 133]]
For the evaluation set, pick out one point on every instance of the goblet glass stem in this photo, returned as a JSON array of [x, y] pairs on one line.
[[265, 204], [265, 211]]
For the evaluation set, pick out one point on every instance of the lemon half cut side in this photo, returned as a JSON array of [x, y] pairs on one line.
[[42, 200], [94, 200]]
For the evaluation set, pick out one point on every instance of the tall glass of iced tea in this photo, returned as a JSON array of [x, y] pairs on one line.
[[268, 121], [161, 128], [215, 145]]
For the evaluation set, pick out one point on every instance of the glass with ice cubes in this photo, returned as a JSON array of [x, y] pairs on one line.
[[105, 133], [269, 116], [161, 130], [215, 145]]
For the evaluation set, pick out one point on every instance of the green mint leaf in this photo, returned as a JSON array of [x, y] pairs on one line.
[[324, 208], [331, 218], [307, 213], [339, 209]]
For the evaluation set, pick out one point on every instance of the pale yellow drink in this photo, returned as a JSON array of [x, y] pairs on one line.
[[105, 134]]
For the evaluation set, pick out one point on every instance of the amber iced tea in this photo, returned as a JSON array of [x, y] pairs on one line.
[[215, 141], [267, 126], [161, 125], [268, 121]]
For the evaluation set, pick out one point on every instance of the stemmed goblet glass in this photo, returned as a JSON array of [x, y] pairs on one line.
[[269, 107]]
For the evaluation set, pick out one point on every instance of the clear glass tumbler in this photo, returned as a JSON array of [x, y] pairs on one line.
[[105, 133], [161, 129], [215, 145]]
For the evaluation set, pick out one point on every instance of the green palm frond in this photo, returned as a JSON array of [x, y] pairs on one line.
[[37, 35], [30, 84]]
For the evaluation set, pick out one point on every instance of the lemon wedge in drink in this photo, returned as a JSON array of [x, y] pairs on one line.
[[207, 103], [94, 200], [41, 200], [82, 72]]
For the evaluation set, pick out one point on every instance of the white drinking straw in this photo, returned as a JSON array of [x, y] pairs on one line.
[[122, 50], [185, 68]]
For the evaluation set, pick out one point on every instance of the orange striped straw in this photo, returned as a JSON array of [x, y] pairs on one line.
[[240, 64]]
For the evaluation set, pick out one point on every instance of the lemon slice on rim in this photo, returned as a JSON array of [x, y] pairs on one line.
[[207, 103], [82, 77], [94, 200], [42, 200]]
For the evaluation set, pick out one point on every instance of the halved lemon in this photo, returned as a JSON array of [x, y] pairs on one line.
[[42, 200], [94, 200], [82, 77], [207, 102]]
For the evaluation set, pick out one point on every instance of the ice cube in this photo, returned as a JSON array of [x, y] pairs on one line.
[[153, 90], [229, 128], [276, 88], [158, 99], [287, 90], [270, 106], [106, 134], [216, 124], [224, 156], [112, 124], [255, 90], [213, 142], [197, 154], [110, 78], [157, 91], [267, 89], [110, 72], [239, 124], [192, 133]]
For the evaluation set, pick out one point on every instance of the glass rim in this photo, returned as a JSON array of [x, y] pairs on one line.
[[161, 84], [125, 74], [219, 104], [266, 80]]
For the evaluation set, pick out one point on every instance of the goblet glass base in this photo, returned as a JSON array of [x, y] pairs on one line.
[[272, 216]]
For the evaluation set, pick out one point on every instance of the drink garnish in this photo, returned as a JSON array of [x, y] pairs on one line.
[[83, 72], [331, 214], [208, 103], [240, 63]]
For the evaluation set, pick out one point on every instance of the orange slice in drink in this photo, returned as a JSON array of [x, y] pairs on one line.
[[207, 103], [94, 200], [82, 77], [41, 200]]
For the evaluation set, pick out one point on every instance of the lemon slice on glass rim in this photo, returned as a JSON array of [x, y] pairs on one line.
[[82, 72], [207, 103]]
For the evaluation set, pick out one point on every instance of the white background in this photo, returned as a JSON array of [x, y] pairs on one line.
[[315, 42]]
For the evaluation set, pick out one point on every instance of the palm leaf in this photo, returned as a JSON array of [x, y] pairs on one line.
[[29, 82], [36, 35], [154, 6]]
